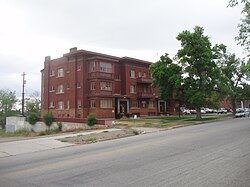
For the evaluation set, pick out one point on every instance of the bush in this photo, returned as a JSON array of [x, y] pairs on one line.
[[48, 119], [91, 120], [32, 118], [59, 125]]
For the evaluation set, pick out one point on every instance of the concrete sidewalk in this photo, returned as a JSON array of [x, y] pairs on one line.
[[39, 144]]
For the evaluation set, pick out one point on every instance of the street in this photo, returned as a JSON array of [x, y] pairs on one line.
[[212, 154]]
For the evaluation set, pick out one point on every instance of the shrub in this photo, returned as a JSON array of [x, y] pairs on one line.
[[59, 125], [48, 119], [32, 118], [91, 120]]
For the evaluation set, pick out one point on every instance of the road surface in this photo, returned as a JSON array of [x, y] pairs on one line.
[[213, 154]]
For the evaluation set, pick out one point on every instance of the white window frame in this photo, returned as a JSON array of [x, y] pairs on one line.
[[132, 73], [106, 67], [78, 85], [105, 103], [60, 89], [79, 103], [105, 85], [92, 104], [60, 72], [79, 67], [60, 105], [151, 104], [51, 73], [132, 89], [68, 104], [92, 86], [51, 104]]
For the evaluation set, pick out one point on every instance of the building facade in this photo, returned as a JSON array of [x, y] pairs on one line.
[[83, 82]]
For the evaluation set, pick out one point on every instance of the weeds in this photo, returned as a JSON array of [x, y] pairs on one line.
[[19, 132]]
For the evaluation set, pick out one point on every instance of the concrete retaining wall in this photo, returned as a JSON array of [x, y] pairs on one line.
[[16, 123]]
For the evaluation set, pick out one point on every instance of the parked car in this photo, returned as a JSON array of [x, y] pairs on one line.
[[208, 110], [247, 112], [240, 112], [186, 111], [221, 111], [193, 111]]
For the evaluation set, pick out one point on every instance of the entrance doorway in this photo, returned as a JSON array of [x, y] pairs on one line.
[[162, 107], [121, 107]]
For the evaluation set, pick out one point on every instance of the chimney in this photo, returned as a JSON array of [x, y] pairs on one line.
[[47, 58], [74, 49]]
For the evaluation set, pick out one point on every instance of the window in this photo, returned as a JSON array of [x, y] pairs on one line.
[[92, 66], [144, 75], [78, 67], [139, 75], [68, 104], [51, 104], [105, 67], [79, 103], [67, 86], [143, 104], [151, 104], [105, 85], [106, 103], [52, 73], [51, 89], [92, 104], [132, 89], [132, 73], [92, 86], [78, 85], [60, 89], [60, 105], [60, 72]]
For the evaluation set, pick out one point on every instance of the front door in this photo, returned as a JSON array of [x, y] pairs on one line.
[[123, 107]]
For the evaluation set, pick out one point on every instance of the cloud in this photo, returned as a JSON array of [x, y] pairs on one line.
[[143, 29]]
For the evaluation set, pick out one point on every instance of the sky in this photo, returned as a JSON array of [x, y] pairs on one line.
[[143, 29]]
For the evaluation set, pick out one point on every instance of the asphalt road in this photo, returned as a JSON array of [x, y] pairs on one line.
[[213, 154]]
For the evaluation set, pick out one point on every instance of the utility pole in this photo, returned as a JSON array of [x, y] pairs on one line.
[[24, 82]]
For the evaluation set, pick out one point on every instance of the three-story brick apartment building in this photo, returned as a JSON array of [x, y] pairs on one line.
[[83, 82]]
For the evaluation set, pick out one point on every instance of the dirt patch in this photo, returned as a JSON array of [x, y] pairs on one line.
[[97, 137]]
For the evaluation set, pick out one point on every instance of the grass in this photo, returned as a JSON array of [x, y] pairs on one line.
[[92, 140], [19, 132], [169, 121]]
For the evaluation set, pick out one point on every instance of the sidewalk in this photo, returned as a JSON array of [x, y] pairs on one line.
[[38, 144]]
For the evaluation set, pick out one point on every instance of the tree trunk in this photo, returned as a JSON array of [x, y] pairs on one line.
[[198, 114], [233, 102]]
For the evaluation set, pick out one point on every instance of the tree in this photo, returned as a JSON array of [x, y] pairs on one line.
[[167, 76], [48, 119], [235, 70], [34, 104], [201, 76], [244, 27], [7, 101]]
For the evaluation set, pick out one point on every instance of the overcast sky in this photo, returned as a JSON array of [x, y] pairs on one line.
[[143, 29]]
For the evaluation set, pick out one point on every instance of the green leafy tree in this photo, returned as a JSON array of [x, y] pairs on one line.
[[243, 37], [167, 77], [7, 102], [48, 119], [201, 76], [236, 72], [34, 104]]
